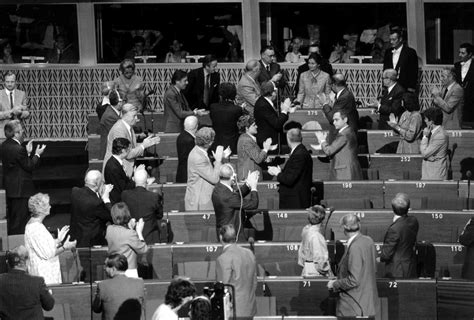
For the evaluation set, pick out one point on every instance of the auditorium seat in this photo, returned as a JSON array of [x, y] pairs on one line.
[[348, 203], [373, 190], [455, 299], [396, 166], [416, 190]]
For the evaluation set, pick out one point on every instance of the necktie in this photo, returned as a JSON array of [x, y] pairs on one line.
[[11, 99], [132, 141], [206, 90], [445, 92], [268, 68]]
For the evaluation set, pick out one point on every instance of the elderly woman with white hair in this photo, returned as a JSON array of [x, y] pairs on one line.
[[313, 251], [42, 247]]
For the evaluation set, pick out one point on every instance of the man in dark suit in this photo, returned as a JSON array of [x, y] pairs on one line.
[[22, 296], [465, 77], [228, 202], [398, 251], [90, 211], [184, 144], [176, 107], [109, 117], [269, 121], [269, 70], [145, 204], [114, 172], [356, 282], [403, 59], [203, 87], [18, 165], [344, 102], [105, 89], [119, 297], [467, 239], [224, 116], [296, 177], [342, 151], [391, 99], [237, 266]]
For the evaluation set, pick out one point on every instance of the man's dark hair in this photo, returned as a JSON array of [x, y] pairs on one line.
[[10, 128], [114, 97], [17, 257], [119, 261], [8, 74], [208, 59], [201, 308], [343, 114], [267, 89], [339, 80], [227, 232], [178, 75], [435, 115], [119, 144], [398, 31], [401, 204], [227, 91], [466, 46], [294, 135], [265, 48], [178, 289]]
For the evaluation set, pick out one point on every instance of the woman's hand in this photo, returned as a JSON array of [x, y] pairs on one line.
[[68, 244], [62, 233]]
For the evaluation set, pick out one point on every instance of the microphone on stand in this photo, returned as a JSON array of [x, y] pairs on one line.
[[468, 175]]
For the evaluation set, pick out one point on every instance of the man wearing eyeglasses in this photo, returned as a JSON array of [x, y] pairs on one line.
[[269, 69]]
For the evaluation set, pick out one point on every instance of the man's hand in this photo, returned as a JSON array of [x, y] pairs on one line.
[[150, 181], [435, 92], [29, 146], [427, 131], [286, 106], [218, 154], [321, 135], [274, 171], [330, 284], [132, 223], [140, 225], [227, 152], [151, 141], [40, 149], [373, 103], [201, 112], [106, 188], [325, 99], [17, 111], [277, 77], [393, 121], [252, 179], [140, 167]]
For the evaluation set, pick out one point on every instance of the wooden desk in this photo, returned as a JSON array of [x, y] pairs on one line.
[[454, 299], [417, 190], [396, 166], [344, 194]]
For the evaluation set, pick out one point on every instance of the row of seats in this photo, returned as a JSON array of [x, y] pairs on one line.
[[295, 296]]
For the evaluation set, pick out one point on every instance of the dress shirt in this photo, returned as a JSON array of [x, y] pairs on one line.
[[342, 129], [396, 56], [339, 93], [253, 137], [11, 94], [465, 68], [116, 111], [205, 152], [192, 134], [395, 218], [389, 89], [270, 101], [105, 100], [118, 159], [349, 241]]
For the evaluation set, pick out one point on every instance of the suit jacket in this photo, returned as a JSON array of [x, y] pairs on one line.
[[296, 180], [237, 266], [343, 153], [224, 118], [410, 124], [19, 100], [119, 130], [249, 156], [227, 204], [176, 109], [119, 298], [114, 174], [248, 91], [107, 121], [390, 102], [347, 104], [468, 86], [435, 155], [23, 296], [202, 176], [398, 251], [452, 106], [17, 170], [467, 239], [125, 241], [356, 278], [407, 67], [269, 122], [265, 76], [184, 144], [195, 89], [89, 214], [324, 66], [147, 205]]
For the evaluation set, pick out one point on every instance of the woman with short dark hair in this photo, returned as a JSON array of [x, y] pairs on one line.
[[125, 237], [180, 291], [314, 84]]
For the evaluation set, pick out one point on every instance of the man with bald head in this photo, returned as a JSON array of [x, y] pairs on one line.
[[184, 144], [145, 204], [123, 128], [248, 89], [398, 251], [345, 102], [228, 201], [391, 99], [356, 282], [90, 210]]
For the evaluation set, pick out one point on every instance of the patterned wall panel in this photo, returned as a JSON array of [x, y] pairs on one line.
[[62, 97]]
